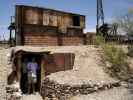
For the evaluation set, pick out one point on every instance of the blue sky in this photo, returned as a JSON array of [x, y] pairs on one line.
[[112, 8]]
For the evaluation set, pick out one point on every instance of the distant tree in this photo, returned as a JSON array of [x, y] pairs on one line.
[[130, 1], [125, 22]]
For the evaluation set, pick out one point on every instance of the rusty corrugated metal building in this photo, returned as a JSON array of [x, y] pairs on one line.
[[42, 26]]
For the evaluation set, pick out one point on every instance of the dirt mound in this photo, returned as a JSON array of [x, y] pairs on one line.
[[87, 76], [88, 68]]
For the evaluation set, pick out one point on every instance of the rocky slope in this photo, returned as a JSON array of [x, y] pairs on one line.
[[3, 72], [88, 69], [119, 93]]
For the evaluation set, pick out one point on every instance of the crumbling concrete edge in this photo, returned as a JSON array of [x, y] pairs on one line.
[[51, 89]]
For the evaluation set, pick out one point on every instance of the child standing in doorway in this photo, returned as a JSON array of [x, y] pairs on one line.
[[32, 75]]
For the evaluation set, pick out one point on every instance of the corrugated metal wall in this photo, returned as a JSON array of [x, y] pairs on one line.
[[58, 62]]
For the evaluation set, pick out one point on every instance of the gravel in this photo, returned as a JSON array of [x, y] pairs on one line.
[[3, 72], [87, 69], [32, 97], [120, 93]]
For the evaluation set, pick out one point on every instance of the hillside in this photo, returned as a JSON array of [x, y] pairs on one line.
[[4, 69], [88, 69]]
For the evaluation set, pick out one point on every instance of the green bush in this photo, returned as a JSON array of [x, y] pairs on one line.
[[114, 55], [99, 40], [119, 67], [130, 51]]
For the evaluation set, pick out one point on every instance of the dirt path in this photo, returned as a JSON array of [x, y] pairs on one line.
[[32, 97]]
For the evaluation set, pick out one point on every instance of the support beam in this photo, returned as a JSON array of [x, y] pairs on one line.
[[100, 15]]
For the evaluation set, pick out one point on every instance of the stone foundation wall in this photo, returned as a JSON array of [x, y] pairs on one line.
[[51, 89], [13, 92]]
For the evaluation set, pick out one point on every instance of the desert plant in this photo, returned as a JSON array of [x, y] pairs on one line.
[[113, 54], [119, 67], [125, 22], [99, 40], [130, 51]]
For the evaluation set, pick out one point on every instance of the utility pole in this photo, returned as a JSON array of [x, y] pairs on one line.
[[12, 27], [100, 15]]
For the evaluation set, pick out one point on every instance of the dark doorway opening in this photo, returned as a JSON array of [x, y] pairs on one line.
[[27, 57], [76, 20]]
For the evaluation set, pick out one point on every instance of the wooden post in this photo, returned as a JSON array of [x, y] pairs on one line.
[[42, 68], [19, 67], [18, 21], [10, 42], [84, 39]]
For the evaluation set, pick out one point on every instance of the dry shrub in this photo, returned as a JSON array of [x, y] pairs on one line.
[[119, 67], [116, 57], [130, 51]]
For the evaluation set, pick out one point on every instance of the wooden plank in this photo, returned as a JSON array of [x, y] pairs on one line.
[[45, 18], [82, 22], [42, 69], [31, 16]]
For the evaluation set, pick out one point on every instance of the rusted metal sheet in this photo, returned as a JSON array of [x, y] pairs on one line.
[[59, 62], [45, 19], [32, 15]]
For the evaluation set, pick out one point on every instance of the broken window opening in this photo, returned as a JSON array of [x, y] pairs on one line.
[[76, 20]]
